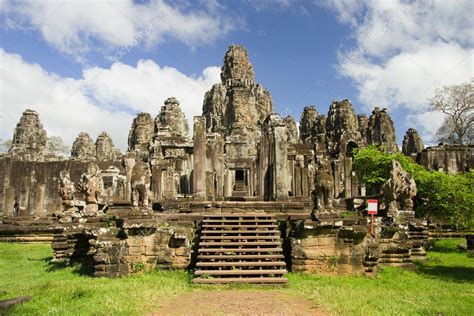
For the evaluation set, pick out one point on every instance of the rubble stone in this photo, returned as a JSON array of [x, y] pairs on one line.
[[399, 191]]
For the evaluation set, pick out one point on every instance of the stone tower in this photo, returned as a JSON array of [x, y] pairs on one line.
[[237, 106], [141, 134], [412, 143], [29, 138], [83, 147], [381, 131], [171, 122], [342, 128], [105, 149]]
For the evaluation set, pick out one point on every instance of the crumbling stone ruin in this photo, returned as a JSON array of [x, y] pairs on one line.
[[184, 201], [399, 191]]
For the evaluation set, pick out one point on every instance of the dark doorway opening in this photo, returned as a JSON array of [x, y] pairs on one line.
[[239, 175]]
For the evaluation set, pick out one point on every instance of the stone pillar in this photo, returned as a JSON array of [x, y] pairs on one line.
[[199, 158], [39, 200], [24, 197], [298, 181], [9, 202], [281, 163], [304, 182], [227, 183], [219, 161], [347, 177]]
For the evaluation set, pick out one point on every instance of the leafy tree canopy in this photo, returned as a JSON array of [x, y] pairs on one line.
[[440, 195]]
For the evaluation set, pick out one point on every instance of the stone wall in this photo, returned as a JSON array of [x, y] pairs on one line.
[[448, 158], [113, 246], [35, 184], [333, 247]]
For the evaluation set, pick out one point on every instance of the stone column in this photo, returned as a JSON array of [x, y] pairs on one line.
[[24, 197], [347, 177], [9, 201], [281, 163], [39, 199], [199, 158], [304, 182]]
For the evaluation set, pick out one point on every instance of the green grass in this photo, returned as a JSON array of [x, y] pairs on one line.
[[443, 285], [24, 270]]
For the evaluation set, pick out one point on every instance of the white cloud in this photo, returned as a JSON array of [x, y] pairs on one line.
[[429, 122], [77, 27], [100, 101], [404, 50]]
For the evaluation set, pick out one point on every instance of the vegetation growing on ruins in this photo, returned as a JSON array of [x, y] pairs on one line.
[[443, 285], [441, 196]]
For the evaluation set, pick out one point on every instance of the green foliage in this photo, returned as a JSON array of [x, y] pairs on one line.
[[443, 196], [138, 267], [372, 166], [333, 261]]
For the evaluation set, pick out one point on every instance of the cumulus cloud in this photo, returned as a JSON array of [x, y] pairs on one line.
[[77, 27], [104, 99], [404, 50]]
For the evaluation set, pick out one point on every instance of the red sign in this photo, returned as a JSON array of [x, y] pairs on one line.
[[372, 207]]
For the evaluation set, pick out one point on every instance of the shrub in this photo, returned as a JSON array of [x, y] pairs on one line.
[[446, 197]]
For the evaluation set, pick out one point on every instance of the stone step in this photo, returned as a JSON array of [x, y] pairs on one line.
[[262, 280], [242, 264], [276, 237], [240, 215], [239, 226], [240, 257], [238, 220], [257, 231], [258, 250], [240, 272], [250, 238], [240, 243]]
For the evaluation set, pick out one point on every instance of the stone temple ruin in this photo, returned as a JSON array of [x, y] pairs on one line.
[[247, 198]]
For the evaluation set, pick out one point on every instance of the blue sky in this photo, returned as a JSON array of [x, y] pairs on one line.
[[61, 57]]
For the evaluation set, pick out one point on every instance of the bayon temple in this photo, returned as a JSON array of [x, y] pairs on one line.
[[245, 198]]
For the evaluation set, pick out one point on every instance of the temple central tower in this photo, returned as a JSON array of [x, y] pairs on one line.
[[237, 107]]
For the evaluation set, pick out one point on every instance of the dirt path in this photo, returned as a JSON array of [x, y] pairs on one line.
[[238, 302]]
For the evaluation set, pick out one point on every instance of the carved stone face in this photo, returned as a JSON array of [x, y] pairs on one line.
[[92, 169]]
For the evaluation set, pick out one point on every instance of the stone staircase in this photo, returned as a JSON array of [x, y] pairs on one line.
[[240, 248]]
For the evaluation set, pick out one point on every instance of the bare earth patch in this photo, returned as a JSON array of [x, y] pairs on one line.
[[238, 302]]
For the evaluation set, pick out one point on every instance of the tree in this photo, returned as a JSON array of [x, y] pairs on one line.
[[5, 145], [442, 196], [457, 103], [56, 147]]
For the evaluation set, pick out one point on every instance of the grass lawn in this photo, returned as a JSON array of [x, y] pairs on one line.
[[444, 285]]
